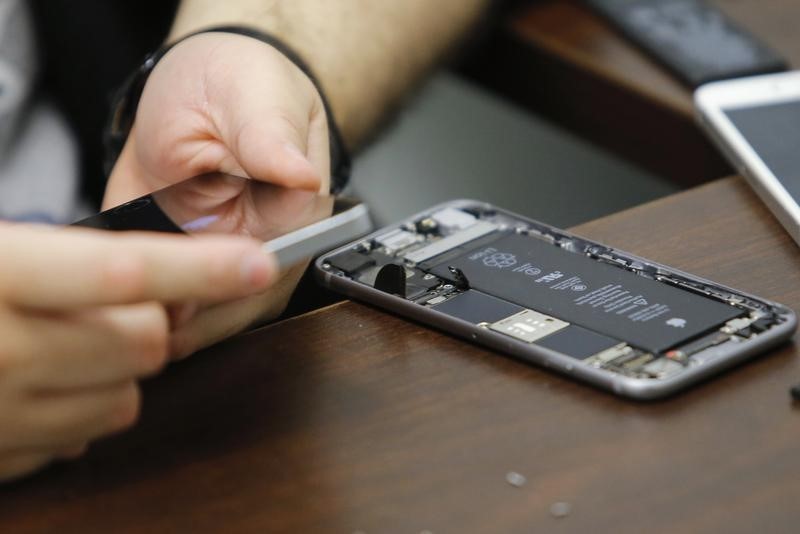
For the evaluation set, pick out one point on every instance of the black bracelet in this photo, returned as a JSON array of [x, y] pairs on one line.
[[126, 101]]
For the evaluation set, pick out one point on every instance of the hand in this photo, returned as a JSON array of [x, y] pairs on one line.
[[229, 103], [79, 325]]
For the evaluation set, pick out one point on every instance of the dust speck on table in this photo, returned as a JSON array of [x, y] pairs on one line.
[[516, 479], [560, 509]]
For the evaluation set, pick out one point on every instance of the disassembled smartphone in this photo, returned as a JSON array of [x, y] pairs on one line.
[[618, 321], [294, 224]]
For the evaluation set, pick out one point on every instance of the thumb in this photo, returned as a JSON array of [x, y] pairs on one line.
[[273, 151]]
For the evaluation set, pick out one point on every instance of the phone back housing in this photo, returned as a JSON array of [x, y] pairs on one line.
[[623, 323]]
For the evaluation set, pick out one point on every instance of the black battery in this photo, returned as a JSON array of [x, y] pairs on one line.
[[570, 286]]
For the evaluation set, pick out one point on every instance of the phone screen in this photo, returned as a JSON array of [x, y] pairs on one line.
[[220, 203], [773, 130]]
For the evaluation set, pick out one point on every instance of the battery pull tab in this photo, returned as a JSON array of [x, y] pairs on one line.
[[459, 278], [392, 279]]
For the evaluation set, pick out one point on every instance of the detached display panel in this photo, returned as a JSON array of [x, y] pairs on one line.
[[628, 325]]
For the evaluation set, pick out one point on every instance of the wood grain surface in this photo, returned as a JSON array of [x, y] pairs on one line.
[[349, 420], [562, 60]]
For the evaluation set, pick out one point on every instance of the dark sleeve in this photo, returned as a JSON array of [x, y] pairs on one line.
[[87, 48]]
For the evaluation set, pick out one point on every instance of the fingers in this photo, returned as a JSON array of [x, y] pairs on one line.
[[56, 269], [15, 465], [88, 348], [70, 417], [180, 314], [69, 378], [220, 321], [72, 452]]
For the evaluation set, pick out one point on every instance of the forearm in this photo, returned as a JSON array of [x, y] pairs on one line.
[[366, 53]]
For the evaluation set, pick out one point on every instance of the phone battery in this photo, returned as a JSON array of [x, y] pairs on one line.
[[574, 288]]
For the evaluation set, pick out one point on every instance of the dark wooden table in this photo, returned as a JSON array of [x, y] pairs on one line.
[[349, 419], [562, 60]]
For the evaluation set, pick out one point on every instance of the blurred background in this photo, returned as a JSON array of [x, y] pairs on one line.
[[456, 139], [553, 112], [547, 109]]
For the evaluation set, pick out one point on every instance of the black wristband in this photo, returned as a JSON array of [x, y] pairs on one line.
[[126, 101]]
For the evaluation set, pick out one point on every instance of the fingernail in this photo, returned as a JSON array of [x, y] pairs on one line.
[[311, 179], [257, 268]]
